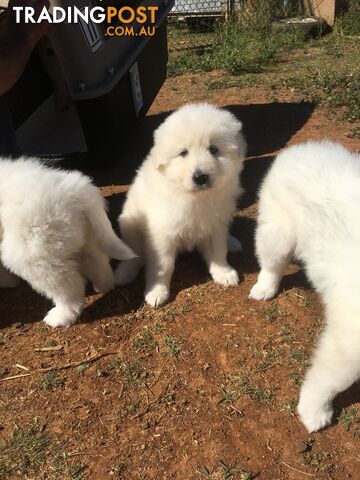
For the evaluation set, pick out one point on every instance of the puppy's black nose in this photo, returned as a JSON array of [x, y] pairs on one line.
[[200, 178]]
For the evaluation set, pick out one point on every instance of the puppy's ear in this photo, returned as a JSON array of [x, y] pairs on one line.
[[234, 127], [157, 153], [241, 145], [157, 158]]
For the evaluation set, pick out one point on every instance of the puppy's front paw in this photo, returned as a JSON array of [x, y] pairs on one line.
[[157, 296], [58, 317], [314, 415], [225, 276], [263, 291]]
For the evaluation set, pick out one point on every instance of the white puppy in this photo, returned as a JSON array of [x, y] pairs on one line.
[[54, 233], [183, 198], [310, 208]]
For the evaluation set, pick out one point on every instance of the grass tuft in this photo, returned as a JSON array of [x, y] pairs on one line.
[[49, 381], [24, 451], [132, 372], [144, 342], [351, 421], [173, 346], [114, 365], [227, 397], [30, 453], [224, 471], [255, 392], [118, 469]]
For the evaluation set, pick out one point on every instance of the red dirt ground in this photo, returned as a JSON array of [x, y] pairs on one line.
[[203, 388]]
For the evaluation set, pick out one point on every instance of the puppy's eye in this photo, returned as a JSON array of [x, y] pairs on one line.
[[183, 152], [213, 149]]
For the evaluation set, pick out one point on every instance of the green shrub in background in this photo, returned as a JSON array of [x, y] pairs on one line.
[[243, 45], [349, 22]]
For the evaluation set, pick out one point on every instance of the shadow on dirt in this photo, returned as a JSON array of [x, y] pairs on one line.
[[22, 305], [267, 129], [297, 279], [346, 400], [252, 177]]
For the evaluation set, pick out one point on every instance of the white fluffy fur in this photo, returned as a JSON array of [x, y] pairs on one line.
[[309, 207], [54, 233], [167, 212]]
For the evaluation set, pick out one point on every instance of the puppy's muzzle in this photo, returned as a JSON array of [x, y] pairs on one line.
[[201, 179]]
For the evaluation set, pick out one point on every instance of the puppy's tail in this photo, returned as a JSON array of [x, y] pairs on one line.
[[103, 233]]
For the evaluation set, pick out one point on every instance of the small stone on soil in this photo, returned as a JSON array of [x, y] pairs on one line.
[[17, 324], [303, 447]]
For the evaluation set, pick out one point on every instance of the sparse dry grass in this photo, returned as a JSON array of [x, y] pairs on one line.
[[324, 71], [31, 453]]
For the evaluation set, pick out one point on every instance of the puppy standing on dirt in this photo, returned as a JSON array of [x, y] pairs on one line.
[[54, 233], [183, 198], [310, 207]]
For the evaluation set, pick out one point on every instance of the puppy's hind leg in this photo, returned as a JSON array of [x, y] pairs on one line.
[[62, 283], [68, 296], [95, 266], [335, 367], [131, 233], [214, 251], [274, 247], [50, 271]]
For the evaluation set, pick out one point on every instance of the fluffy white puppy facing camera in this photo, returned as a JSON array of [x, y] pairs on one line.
[[55, 234], [309, 208], [183, 198]]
